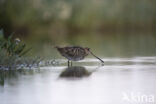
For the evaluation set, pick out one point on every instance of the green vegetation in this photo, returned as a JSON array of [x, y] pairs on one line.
[[12, 47], [59, 19], [108, 27], [12, 53]]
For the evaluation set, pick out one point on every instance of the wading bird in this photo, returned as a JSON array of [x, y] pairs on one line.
[[75, 53]]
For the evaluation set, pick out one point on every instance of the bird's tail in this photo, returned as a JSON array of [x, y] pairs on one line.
[[56, 47]]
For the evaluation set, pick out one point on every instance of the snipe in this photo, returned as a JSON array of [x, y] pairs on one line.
[[75, 53]]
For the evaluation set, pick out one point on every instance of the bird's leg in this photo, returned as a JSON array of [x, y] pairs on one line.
[[71, 63], [68, 63]]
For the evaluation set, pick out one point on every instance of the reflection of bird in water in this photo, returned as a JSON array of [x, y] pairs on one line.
[[75, 71], [75, 53]]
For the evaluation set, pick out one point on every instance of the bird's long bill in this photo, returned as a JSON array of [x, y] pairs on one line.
[[97, 57]]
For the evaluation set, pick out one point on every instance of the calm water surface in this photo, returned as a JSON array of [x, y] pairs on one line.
[[119, 81]]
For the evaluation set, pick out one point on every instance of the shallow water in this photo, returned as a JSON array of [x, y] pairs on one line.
[[119, 81]]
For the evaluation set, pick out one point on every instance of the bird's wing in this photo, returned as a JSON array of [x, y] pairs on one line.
[[69, 51], [74, 51]]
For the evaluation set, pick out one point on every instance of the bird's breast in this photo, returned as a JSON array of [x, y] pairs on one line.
[[78, 58], [73, 53]]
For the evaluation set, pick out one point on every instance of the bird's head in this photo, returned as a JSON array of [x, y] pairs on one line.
[[87, 50]]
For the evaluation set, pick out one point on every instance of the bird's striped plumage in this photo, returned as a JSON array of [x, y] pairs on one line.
[[73, 53]]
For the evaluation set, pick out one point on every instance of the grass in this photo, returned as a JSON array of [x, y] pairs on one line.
[[12, 54]]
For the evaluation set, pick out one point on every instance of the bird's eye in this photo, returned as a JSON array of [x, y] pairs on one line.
[[88, 48]]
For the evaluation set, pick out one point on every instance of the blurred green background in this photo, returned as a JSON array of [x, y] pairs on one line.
[[111, 28]]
